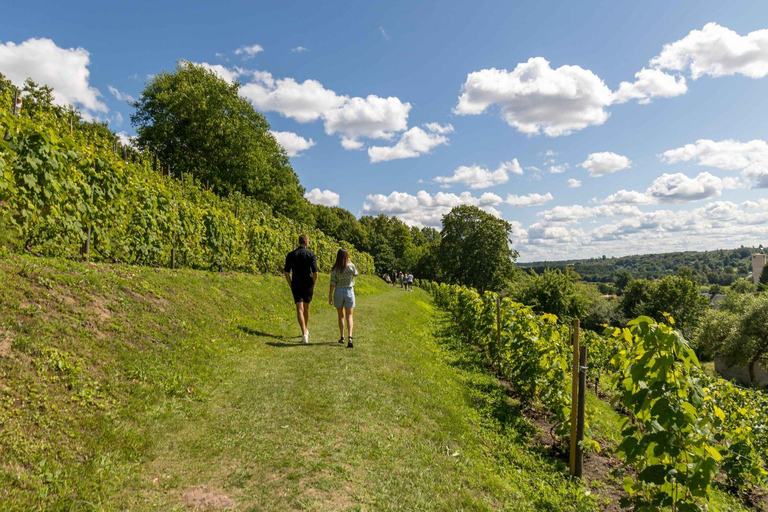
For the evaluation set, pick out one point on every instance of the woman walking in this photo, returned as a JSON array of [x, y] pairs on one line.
[[341, 294]]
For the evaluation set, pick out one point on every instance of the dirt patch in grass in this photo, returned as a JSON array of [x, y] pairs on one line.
[[6, 340], [206, 499]]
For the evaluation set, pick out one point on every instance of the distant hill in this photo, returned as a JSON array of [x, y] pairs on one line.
[[722, 266]]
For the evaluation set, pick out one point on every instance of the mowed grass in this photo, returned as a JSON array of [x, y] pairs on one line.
[[136, 388]]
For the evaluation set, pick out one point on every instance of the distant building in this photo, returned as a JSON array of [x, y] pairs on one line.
[[758, 263]]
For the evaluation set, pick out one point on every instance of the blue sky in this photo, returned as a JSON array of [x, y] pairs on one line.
[[395, 72]]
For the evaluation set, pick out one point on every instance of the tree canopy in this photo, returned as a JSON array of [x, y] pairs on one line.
[[475, 249], [197, 123]]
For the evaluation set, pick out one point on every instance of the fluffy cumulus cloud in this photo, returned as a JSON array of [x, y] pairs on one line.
[[302, 101], [605, 162], [536, 98], [424, 209], [351, 118], [292, 143], [372, 117], [413, 143], [323, 197], [528, 200], [677, 188], [648, 84], [63, 69], [249, 52], [574, 183], [618, 230], [477, 176], [717, 51], [749, 157]]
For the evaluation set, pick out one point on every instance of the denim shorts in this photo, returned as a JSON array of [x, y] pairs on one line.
[[344, 297]]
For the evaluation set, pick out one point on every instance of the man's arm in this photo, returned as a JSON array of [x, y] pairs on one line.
[[287, 269], [314, 270]]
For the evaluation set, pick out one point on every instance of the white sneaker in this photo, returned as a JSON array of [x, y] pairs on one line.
[[305, 338]]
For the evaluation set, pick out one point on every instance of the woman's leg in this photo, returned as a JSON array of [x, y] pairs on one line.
[[350, 320], [340, 312]]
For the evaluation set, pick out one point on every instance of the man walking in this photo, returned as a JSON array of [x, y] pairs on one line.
[[301, 274]]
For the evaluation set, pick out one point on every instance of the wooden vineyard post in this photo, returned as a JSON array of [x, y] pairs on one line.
[[574, 394], [498, 329], [87, 247], [580, 421]]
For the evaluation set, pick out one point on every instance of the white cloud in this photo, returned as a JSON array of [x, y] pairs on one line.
[[629, 197], [600, 164], [384, 33], [512, 166], [118, 119], [648, 84], [372, 117], [717, 51], [351, 118], [223, 72], [299, 49], [413, 143], [558, 169], [292, 143], [304, 102], [442, 129], [574, 183], [323, 197], [476, 176], [125, 139], [249, 52], [121, 96], [424, 209], [677, 188], [528, 200], [65, 70], [535, 98], [730, 155], [351, 144], [630, 231]]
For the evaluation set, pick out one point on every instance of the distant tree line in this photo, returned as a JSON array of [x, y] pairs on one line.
[[723, 267]]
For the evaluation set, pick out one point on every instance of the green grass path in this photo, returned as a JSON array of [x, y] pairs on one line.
[[130, 388], [386, 425]]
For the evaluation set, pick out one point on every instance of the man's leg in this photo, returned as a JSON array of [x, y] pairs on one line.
[[306, 317], [300, 317]]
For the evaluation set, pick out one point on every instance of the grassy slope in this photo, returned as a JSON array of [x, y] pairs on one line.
[[133, 388], [129, 387]]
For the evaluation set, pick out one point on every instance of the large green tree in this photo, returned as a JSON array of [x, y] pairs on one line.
[[738, 331], [475, 249], [677, 296], [197, 123]]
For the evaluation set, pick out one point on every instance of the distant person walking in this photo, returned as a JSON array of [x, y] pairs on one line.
[[410, 281], [394, 278], [341, 293], [301, 274]]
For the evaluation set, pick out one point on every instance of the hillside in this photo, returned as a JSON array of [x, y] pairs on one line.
[[722, 266], [140, 388]]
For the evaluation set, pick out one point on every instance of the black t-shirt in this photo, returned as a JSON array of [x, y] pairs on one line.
[[302, 264]]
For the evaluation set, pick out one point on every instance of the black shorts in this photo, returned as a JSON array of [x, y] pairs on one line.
[[303, 294]]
